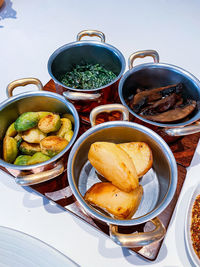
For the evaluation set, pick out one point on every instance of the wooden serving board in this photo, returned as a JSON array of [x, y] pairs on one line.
[[58, 189]]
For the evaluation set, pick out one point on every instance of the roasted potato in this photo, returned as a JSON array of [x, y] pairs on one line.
[[52, 145], [111, 199], [38, 157], [42, 114], [114, 164], [49, 123], [11, 130], [33, 135], [66, 126], [10, 150], [68, 135], [140, 154], [22, 160], [28, 148], [26, 121]]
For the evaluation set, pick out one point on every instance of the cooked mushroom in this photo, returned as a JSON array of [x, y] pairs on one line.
[[174, 114]]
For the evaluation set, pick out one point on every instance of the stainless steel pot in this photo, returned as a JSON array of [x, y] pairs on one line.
[[154, 75], [92, 52], [11, 108], [159, 183]]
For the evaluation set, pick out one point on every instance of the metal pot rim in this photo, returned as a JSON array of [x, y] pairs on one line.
[[82, 43], [48, 94], [171, 190], [163, 66]]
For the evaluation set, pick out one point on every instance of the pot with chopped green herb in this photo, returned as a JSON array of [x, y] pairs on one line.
[[87, 72]]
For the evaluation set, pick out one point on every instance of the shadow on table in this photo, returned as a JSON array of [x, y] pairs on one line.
[[7, 12], [30, 202], [138, 260]]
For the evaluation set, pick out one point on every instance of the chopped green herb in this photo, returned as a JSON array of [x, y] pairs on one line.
[[87, 77]]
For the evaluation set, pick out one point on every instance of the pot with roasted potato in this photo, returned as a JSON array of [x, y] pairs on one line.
[[36, 131], [123, 173]]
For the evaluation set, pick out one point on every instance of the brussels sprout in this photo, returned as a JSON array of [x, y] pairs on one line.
[[68, 116], [52, 145], [18, 137], [33, 135], [38, 157], [19, 142], [26, 121], [66, 126], [11, 130], [50, 123], [22, 160], [42, 114], [68, 135], [29, 149], [9, 149]]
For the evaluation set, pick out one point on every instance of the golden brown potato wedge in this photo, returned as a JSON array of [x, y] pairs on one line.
[[111, 199], [140, 154], [114, 164]]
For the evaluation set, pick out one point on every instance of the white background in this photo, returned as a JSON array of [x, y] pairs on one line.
[[26, 42]]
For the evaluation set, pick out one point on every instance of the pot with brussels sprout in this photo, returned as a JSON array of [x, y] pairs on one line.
[[37, 129]]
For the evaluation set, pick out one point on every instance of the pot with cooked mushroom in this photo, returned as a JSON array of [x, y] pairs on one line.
[[161, 95]]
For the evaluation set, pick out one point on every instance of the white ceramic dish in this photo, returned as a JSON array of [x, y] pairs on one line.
[[20, 249], [188, 239]]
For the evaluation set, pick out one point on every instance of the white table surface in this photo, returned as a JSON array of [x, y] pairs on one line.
[[29, 32]]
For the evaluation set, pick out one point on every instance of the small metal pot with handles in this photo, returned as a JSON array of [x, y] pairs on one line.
[[40, 100], [86, 52], [155, 75], [159, 184]]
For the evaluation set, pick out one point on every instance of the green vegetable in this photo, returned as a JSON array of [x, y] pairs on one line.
[[42, 114], [9, 149], [66, 125], [68, 135], [68, 116], [87, 76], [38, 158], [50, 123], [26, 121], [52, 145], [22, 160], [33, 135], [29, 149], [11, 130]]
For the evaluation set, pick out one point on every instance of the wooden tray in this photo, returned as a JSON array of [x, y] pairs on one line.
[[58, 189]]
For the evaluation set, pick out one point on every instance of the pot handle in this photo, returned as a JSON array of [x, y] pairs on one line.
[[92, 33], [108, 108], [180, 131], [141, 54], [80, 96], [138, 239], [22, 82], [40, 177]]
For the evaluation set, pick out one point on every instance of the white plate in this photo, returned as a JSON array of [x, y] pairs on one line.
[[188, 239], [20, 249]]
